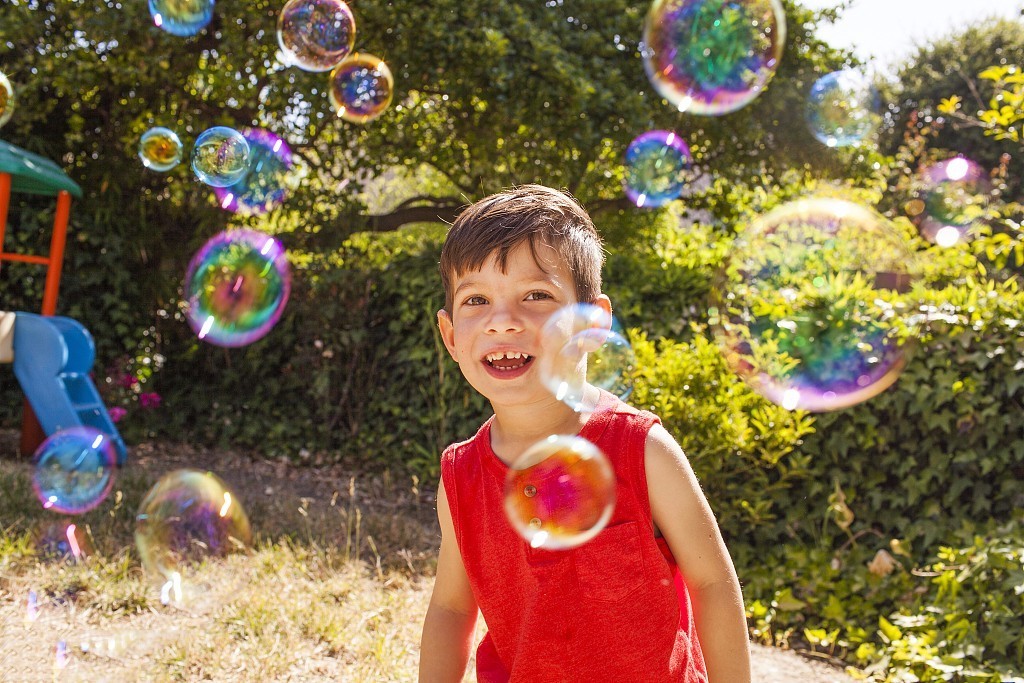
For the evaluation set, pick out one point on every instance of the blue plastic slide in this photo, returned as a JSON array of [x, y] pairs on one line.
[[52, 360]]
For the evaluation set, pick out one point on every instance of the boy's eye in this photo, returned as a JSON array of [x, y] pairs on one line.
[[475, 301], [536, 296]]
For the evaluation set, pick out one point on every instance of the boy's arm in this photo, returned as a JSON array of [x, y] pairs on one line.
[[451, 617], [685, 519]]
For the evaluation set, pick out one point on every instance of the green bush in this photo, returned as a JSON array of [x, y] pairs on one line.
[[944, 440], [953, 617]]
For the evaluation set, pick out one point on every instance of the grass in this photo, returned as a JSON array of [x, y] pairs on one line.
[[335, 587]]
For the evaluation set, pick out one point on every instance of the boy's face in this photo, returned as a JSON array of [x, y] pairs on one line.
[[493, 329]]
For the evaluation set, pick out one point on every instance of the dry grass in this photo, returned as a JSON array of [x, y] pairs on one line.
[[279, 613], [335, 588]]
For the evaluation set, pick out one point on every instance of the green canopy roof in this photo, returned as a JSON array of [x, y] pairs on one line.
[[34, 174]]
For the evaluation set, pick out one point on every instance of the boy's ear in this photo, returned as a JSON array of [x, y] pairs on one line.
[[447, 327], [604, 303]]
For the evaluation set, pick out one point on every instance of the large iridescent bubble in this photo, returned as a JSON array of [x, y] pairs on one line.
[[807, 311], [236, 287], [265, 186], [315, 35], [361, 88], [842, 108], [6, 99], [712, 57], [188, 517], [181, 17], [160, 149], [657, 168], [220, 156], [951, 201], [560, 493], [74, 470], [585, 347]]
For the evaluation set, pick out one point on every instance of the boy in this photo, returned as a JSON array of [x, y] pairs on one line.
[[615, 608]]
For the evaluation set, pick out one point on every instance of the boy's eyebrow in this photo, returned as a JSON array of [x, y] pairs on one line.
[[540, 278]]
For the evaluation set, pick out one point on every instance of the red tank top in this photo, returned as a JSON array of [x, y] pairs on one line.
[[613, 609]]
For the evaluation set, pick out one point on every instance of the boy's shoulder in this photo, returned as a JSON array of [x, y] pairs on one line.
[[615, 406], [452, 451]]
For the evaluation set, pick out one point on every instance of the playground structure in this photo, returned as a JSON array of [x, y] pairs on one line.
[[52, 355]]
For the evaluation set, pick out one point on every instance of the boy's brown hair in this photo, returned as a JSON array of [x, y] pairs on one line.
[[501, 222]]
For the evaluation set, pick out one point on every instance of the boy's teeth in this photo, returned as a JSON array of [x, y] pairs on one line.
[[506, 355]]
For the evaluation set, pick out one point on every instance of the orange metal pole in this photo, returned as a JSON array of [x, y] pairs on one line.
[[57, 240], [32, 434], [5, 202]]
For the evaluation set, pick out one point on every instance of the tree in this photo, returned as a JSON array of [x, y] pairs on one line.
[[947, 68], [486, 95]]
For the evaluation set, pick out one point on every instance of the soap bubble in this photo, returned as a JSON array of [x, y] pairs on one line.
[[806, 311], [220, 156], [657, 168], [187, 517], [181, 17], [160, 149], [712, 57], [64, 539], [6, 99], [74, 470], [560, 493], [266, 185], [952, 201], [361, 88], [842, 109], [236, 287], [584, 346], [316, 34]]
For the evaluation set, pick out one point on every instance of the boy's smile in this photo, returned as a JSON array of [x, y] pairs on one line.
[[507, 364]]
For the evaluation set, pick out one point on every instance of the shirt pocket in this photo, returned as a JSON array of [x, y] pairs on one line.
[[611, 566]]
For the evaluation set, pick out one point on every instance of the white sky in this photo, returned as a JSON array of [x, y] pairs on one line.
[[887, 31]]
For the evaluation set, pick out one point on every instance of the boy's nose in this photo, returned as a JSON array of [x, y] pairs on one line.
[[504, 320]]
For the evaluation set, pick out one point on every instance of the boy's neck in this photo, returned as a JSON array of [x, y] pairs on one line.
[[517, 428]]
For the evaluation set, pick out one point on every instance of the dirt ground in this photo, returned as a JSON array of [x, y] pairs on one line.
[[289, 494]]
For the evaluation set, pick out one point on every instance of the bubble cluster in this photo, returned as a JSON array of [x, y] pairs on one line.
[[805, 310], [220, 156], [6, 99], [236, 287], [585, 347], [160, 149], [74, 470], [361, 88], [560, 493], [657, 168], [315, 35], [842, 108], [265, 186], [181, 17], [187, 517], [951, 202], [712, 57]]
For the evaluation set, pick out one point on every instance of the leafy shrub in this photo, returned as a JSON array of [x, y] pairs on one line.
[[946, 438], [954, 617]]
